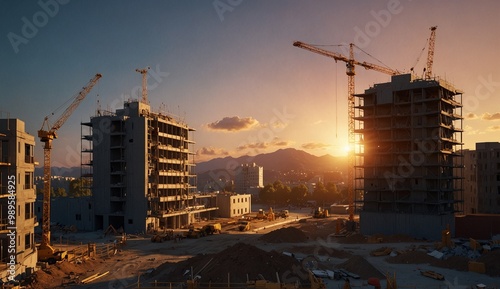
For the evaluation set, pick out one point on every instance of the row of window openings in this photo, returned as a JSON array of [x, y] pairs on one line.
[[242, 200], [28, 152], [240, 211]]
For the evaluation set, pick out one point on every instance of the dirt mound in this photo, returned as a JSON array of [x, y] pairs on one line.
[[353, 239], [62, 273], [360, 266], [285, 235], [317, 228], [237, 262]]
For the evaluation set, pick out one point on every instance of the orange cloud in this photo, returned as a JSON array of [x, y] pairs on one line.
[[234, 123]]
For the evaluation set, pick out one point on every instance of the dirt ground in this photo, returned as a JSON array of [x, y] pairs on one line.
[[282, 249]]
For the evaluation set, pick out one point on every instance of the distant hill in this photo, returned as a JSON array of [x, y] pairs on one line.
[[59, 171], [280, 160]]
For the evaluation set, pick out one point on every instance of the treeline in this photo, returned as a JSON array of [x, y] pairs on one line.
[[76, 188], [280, 193]]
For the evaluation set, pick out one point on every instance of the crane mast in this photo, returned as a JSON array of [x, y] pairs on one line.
[[430, 53], [144, 73], [350, 71], [46, 136]]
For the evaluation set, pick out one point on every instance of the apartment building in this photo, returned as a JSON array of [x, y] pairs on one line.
[[249, 178], [17, 223], [408, 161], [142, 170], [488, 177]]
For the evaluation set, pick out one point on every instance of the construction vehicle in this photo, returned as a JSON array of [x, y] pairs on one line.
[[47, 133], [211, 229], [244, 226], [261, 215], [350, 71], [284, 214], [320, 213], [165, 236]]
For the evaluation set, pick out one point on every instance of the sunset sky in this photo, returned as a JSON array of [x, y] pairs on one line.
[[228, 67]]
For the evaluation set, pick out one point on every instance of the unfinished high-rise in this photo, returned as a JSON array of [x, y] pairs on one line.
[[142, 170], [408, 161]]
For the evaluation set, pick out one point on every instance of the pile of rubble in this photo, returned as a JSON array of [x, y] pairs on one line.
[[462, 256], [238, 263], [285, 235]]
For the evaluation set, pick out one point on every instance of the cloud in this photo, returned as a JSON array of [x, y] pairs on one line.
[[211, 151], [487, 116], [264, 145], [234, 123], [494, 128], [471, 115], [313, 146]]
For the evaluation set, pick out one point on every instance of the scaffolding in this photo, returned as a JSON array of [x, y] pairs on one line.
[[409, 143]]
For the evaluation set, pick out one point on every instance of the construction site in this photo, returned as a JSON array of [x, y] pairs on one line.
[[152, 229]]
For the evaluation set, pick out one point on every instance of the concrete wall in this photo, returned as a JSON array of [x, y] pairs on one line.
[[477, 226], [416, 225]]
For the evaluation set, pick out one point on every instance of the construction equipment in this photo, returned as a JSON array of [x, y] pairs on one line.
[[320, 213], [46, 134], [244, 226], [350, 71], [211, 229], [144, 73], [430, 53], [432, 274], [165, 236], [284, 214]]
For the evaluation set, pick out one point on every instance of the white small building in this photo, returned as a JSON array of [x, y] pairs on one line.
[[233, 205]]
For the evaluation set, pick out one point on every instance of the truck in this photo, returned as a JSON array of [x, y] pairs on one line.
[[284, 214], [320, 213], [211, 229]]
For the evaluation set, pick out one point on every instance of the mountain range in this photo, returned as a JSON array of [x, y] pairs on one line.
[[283, 160], [289, 159]]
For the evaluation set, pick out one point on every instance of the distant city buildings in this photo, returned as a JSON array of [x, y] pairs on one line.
[[249, 179], [408, 167], [17, 222]]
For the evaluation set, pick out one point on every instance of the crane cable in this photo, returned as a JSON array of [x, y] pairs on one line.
[[420, 55]]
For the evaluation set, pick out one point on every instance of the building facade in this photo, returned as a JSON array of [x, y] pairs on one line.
[[233, 205], [17, 200], [470, 182], [248, 176], [488, 177], [142, 170], [408, 159]]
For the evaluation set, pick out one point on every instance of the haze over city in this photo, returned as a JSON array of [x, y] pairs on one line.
[[229, 70]]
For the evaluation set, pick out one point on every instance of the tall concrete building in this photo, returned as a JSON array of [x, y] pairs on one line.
[[488, 177], [249, 178], [143, 170], [470, 182], [17, 222], [408, 160]]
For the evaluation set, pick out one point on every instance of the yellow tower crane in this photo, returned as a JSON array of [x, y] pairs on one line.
[[46, 134], [350, 71], [430, 53], [144, 73]]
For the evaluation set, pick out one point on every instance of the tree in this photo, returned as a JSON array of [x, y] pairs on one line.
[[333, 193], [298, 194], [267, 193], [58, 192], [80, 187], [320, 193]]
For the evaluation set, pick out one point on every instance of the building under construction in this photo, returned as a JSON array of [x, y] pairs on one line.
[[142, 170], [408, 160]]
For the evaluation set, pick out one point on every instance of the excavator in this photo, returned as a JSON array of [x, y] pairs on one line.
[[47, 253]]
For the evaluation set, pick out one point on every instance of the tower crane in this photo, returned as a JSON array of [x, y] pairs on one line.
[[430, 53], [144, 73], [46, 134], [350, 71]]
